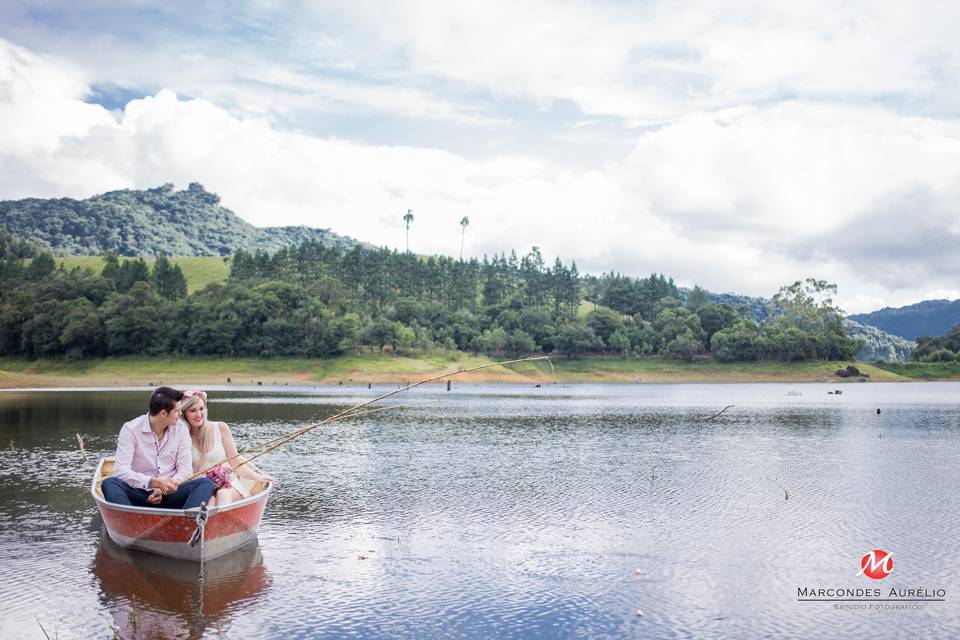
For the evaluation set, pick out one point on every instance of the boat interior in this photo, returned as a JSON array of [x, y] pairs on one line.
[[107, 466]]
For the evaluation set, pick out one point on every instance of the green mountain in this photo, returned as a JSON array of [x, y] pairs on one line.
[[146, 223], [877, 344], [927, 318]]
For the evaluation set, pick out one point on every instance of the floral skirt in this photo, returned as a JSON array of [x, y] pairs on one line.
[[223, 477]]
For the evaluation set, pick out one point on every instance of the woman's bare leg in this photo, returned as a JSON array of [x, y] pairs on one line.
[[227, 495]]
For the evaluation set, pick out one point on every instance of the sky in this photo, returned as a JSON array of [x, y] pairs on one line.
[[739, 145]]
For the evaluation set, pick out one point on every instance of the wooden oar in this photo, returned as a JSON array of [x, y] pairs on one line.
[[350, 412]]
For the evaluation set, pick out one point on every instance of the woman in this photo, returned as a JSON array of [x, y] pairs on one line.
[[213, 443]]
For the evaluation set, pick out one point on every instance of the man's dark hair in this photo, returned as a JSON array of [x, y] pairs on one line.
[[164, 399]]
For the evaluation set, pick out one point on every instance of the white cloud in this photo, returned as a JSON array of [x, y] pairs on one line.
[[34, 89], [865, 197], [298, 91], [795, 168], [645, 62], [661, 60]]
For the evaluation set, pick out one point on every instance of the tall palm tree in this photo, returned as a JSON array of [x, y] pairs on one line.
[[408, 218], [464, 223]]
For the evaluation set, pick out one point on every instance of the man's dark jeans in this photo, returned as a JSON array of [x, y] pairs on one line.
[[189, 495]]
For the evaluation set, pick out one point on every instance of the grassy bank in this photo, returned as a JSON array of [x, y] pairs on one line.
[[199, 271], [923, 370], [389, 369]]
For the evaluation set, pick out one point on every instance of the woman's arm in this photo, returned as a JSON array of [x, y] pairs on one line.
[[230, 448]]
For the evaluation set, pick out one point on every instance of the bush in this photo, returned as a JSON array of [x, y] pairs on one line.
[[619, 342], [683, 347], [941, 355], [739, 343], [575, 338], [519, 342]]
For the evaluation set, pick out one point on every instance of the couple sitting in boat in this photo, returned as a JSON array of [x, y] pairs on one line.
[[158, 454]]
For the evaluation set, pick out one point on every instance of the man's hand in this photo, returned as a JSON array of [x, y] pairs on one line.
[[155, 496], [165, 485]]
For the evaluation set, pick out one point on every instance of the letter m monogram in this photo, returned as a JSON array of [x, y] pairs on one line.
[[876, 564]]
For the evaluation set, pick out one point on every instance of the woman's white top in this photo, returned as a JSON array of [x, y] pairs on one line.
[[216, 454]]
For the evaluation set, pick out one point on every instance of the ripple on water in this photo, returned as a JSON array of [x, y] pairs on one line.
[[500, 513]]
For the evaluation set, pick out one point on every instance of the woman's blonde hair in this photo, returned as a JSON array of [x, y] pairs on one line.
[[206, 429]]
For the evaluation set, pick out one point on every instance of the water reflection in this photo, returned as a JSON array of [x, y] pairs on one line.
[[149, 596]]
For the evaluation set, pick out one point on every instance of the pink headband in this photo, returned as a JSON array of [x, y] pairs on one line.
[[195, 392]]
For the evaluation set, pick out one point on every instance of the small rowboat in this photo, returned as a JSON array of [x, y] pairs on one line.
[[197, 534]]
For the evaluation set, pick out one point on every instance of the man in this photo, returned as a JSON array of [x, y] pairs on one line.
[[154, 460]]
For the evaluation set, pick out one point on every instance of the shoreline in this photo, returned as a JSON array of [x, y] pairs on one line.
[[387, 369]]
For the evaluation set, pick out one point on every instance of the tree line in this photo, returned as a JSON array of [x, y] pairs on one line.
[[318, 300], [945, 348]]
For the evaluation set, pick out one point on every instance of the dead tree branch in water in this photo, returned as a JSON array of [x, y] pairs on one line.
[[729, 406]]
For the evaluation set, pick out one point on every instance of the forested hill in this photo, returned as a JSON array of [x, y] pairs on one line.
[[146, 223], [878, 345], [927, 318]]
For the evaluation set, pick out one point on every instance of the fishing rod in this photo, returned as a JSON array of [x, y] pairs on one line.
[[269, 445], [350, 412], [299, 433]]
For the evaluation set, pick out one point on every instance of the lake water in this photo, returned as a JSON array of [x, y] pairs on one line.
[[513, 511]]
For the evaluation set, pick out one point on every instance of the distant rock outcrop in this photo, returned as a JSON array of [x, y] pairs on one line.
[[851, 372]]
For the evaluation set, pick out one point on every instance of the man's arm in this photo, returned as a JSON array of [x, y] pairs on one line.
[[126, 445], [184, 455]]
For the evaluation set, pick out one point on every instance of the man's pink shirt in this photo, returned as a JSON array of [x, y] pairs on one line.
[[140, 456]]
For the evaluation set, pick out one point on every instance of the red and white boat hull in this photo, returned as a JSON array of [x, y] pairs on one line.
[[168, 532]]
